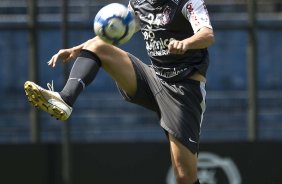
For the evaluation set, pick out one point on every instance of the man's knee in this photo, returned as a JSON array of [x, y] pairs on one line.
[[97, 46]]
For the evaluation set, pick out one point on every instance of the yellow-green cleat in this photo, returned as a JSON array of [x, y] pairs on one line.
[[47, 100]]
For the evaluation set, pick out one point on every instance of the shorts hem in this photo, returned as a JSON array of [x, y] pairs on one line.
[[192, 148]]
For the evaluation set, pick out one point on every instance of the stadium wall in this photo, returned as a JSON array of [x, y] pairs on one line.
[[139, 163]]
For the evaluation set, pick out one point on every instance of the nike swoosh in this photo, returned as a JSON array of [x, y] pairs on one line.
[[191, 140]]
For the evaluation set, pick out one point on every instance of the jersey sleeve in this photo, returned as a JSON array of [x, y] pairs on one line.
[[196, 13]]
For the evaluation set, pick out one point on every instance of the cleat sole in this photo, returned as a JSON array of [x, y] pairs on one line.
[[36, 98]]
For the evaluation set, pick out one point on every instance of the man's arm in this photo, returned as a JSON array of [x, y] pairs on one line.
[[202, 39], [196, 13], [67, 54]]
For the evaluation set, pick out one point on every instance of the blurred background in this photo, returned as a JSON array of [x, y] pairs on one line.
[[243, 120]]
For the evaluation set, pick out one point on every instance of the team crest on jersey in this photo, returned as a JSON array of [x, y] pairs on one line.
[[166, 15]]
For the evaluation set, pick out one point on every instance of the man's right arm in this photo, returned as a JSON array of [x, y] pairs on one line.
[[65, 55]]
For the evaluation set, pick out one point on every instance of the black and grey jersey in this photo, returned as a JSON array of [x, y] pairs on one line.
[[162, 21]]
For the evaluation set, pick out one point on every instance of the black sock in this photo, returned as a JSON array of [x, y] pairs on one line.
[[83, 72]]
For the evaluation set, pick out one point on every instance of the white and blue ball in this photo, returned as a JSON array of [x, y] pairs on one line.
[[114, 24]]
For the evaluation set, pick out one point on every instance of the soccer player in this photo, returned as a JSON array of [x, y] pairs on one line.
[[177, 34]]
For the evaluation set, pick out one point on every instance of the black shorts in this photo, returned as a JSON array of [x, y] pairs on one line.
[[179, 105]]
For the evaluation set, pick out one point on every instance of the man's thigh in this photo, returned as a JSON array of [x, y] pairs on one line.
[[116, 63], [184, 162]]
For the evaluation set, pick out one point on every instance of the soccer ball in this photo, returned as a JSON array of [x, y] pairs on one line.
[[114, 24]]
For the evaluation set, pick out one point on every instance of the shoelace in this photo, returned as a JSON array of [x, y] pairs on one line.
[[50, 86]]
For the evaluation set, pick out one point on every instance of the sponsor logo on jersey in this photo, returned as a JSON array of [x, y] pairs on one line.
[[156, 46]]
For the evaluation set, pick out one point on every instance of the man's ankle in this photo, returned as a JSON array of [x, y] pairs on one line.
[[65, 99]]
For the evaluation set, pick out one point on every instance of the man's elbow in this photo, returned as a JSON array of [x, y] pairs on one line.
[[210, 37]]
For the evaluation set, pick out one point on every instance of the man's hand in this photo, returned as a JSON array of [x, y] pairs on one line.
[[176, 47], [202, 39], [65, 55]]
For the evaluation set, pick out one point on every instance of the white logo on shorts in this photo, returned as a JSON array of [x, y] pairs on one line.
[[191, 140]]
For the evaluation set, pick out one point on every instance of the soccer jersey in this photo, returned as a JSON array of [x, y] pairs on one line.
[[162, 21]]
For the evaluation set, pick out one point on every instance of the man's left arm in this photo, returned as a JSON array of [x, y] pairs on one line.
[[196, 13], [202, 39]]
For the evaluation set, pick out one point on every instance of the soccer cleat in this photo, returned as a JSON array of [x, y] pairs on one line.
[[47, 100]]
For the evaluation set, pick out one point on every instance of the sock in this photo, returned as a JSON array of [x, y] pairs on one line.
[[83, 72]]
